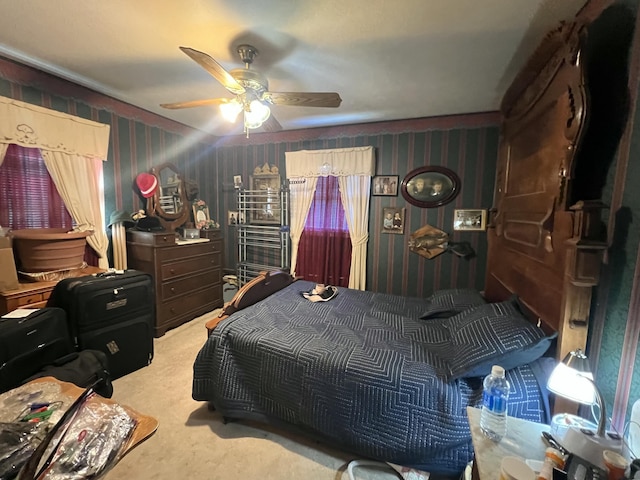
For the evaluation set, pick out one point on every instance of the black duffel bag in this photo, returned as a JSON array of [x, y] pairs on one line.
[[83, 369]]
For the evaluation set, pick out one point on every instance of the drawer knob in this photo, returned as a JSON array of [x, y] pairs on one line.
[[173, 289], [172, 310], [164, 239], [172, 270]]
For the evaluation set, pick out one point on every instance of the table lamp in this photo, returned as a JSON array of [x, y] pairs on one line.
[[572, 379]]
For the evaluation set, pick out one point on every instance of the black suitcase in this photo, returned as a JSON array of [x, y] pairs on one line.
[[28, 344], [112, 312]]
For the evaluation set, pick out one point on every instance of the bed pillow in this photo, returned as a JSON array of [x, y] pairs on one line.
[[448, 302], [493, 334]]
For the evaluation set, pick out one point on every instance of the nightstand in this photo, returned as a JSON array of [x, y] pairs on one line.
[[523, 439]]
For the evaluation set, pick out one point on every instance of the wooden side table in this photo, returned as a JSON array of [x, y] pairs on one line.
[[523, 439], [35, 294]]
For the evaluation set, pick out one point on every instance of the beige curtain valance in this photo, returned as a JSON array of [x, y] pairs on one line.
[[338, 162], [37, 127]]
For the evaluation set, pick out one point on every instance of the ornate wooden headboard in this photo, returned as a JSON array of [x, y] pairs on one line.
[[545, 245]]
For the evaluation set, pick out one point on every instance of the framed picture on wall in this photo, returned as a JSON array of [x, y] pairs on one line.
[[385, 185], [470, 220], [393, 220], [430, 187]]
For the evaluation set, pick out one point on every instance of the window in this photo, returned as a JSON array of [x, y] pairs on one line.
[[324, 252], [28, 196]]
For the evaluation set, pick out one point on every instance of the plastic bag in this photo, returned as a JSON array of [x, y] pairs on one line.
[[92, 444], [18, 441], [87, 442]]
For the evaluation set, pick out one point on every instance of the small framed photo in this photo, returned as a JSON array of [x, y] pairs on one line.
[[237, 181], [430, 187], [474, 220], [234, 218], [393, 220], [200, 213], [385, 185]]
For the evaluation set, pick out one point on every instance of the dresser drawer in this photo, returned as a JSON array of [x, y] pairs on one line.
[[183, 251], [155, 239], [191, 265], [187, 303], [34, 300], [192, 282]]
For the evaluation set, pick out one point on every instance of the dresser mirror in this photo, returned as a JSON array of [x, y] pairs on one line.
[[169, 202]]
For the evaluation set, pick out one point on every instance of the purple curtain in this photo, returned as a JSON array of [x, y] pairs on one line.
[[324, 252]]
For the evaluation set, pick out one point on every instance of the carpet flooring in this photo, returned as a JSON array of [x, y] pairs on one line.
[[194, 443]]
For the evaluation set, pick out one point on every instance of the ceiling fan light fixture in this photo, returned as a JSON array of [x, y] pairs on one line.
[[230, 110], [251, 91], [256, 114]]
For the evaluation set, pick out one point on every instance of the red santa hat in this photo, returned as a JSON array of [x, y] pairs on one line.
[[147, 183]]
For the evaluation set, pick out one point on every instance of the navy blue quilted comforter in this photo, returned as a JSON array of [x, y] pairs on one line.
[[361, 371]]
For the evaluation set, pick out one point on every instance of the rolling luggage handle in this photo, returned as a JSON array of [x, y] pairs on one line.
[[110, 273]]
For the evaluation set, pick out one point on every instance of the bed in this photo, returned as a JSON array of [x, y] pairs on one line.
[[365, 373], [388, 377]]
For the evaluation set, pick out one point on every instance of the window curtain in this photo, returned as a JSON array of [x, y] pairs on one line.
[[73, 150], [354, 192], [354, 168], [324, 252], [301, 191]]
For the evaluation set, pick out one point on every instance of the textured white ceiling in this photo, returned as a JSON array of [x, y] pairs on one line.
[[387, 59]]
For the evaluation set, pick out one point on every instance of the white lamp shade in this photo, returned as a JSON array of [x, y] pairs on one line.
[[256, 115], [230, 110], [569, 383]]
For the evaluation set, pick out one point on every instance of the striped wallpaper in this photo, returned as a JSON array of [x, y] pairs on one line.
[[470, 151], [467, 144]]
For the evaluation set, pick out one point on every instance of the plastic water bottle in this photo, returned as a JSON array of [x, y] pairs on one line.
[[493, 419]]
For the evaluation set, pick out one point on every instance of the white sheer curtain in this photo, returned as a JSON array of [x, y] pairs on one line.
[[301, 191], [354, 168], [354, 192], [77, 183], [73, 150], [3, 151]]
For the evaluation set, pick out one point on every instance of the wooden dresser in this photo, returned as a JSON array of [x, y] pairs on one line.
[[187, 277], [35, 294]]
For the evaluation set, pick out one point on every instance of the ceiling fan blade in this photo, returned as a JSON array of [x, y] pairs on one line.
[[215, 69], [271, 124], [195, 103], [304, 99]]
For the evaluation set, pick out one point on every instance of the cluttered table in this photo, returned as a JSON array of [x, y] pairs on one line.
[[523, 439], [102, 430]]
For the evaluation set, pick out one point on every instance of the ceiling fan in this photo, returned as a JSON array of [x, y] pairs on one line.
[[251, 90]]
